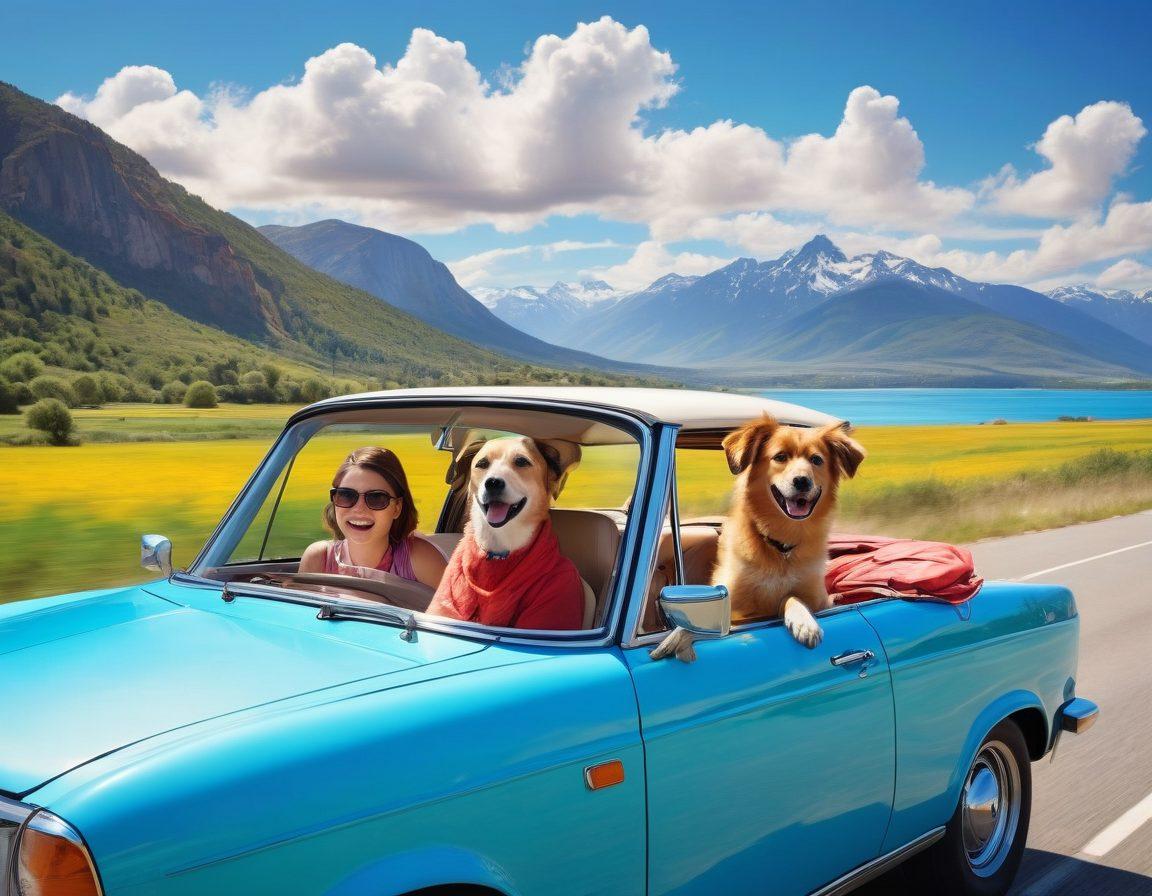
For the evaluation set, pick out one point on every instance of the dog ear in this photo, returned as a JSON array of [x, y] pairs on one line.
[[562, 457], [742, 446], [848, 453]]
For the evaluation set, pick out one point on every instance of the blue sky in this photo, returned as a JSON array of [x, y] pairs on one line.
[[979, 84]]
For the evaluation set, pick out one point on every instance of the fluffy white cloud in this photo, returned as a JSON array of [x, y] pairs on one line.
[[1086, 154], [428, 144], [1126, 274], [422, 144], [141, 106], [479, 269], [651, 261], [1126, 229], [868, 171]]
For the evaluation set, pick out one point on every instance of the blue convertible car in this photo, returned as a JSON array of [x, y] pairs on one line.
[[241, 727]]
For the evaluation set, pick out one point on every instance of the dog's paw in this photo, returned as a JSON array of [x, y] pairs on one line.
[[801, 624], [678, 643]]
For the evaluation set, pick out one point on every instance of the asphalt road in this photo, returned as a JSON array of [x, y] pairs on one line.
[[1092, 805], [1091, 827]]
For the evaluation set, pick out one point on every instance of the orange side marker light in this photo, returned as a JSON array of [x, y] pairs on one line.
[[606, 774]]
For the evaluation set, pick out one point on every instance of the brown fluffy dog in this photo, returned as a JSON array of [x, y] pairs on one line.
[[511, 486], [774, 547], [507, 569]]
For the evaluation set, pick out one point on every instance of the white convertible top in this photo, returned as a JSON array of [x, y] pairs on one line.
[[693, 410]]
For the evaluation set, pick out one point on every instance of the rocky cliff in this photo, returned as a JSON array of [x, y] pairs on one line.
[[66, 179]]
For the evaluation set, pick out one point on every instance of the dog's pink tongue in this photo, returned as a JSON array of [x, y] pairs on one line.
[[497, 512], [796, 506]]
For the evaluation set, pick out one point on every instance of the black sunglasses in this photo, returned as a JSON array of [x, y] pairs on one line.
[[348, 497]]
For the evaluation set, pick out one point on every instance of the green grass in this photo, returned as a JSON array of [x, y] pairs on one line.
[[160, 423]]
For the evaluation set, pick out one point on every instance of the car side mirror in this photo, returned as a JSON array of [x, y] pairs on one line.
[[156, 554], [703, 610]]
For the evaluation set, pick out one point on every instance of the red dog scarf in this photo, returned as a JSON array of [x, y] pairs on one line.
[[535, 587]]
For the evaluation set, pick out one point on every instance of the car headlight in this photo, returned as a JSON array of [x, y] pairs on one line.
[[43, 855]]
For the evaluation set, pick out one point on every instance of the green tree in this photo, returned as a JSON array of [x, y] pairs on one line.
[[271, 374], [22, 367], [88, 392], [111, 388], [173, 392], [49, 415], [312, 390], [255, 386], [53, 387], [8, 403], [201, 394]]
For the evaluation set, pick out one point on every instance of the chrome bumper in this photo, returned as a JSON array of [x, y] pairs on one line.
[[1077, 715]]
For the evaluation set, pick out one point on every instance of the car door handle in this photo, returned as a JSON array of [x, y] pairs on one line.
[[852, 657]]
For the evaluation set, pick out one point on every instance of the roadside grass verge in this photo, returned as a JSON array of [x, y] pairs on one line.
[[1101, 484]]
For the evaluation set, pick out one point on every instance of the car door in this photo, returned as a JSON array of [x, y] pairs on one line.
[[769, 768]]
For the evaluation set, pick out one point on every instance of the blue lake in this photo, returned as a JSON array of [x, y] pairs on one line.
[[871, 407]]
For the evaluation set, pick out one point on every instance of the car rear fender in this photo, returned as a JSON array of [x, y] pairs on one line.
[[1012, 703]]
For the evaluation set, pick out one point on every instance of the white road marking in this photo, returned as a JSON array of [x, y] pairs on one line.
[[1120, 830], [1033, 575], [1053, 880]]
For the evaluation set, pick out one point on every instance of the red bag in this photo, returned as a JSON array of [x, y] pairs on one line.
[[865, 567]]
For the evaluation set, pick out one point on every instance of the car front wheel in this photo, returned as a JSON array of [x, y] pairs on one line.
[[983, 843]]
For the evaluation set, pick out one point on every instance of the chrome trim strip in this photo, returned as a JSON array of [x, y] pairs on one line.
[[857, 877], [1077, 715]]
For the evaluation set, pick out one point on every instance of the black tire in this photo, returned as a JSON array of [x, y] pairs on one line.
[[981, 849]]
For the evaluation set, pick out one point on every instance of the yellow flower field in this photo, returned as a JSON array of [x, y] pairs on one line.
[[71, 518]]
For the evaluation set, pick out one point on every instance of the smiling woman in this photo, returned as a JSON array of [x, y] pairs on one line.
[[373, 516]]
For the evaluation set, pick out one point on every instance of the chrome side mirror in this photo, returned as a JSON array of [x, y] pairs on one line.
[[156, 554], [703, 610]]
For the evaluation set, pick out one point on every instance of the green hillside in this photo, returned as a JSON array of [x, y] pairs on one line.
[[76, 317], [98, 200]]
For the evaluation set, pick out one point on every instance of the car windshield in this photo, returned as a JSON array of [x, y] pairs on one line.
[[283, 532]]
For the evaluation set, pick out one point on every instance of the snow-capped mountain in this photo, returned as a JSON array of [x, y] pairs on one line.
[[819, 268], [546, 313], [1082, 292], [748, 304], [1127, 311]]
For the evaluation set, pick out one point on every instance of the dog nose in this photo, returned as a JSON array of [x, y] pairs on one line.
[[801, 483], [494, 484]]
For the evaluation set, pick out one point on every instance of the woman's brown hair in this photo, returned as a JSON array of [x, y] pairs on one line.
[[387, 464]]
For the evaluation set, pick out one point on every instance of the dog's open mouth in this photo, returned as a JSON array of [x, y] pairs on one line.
[[498, 513], [799, 507]]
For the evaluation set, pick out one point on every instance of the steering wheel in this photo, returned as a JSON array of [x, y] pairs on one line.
[[393, 589]]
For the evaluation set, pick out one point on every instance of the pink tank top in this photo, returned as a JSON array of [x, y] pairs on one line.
[[397, 560]]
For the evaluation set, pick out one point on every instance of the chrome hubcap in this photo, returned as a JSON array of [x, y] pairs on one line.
[[991, 808]]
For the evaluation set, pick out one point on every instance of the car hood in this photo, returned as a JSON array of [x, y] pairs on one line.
[[83, 677]]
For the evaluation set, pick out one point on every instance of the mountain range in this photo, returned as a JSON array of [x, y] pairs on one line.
[[877, 312], [118, 265], [100, 204], [547, 313], [403, 274], [1125, 310]]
